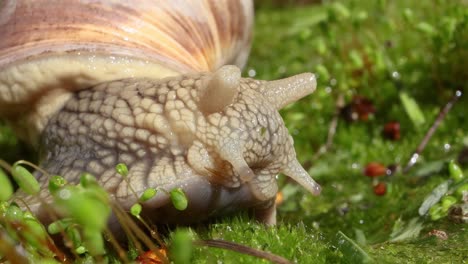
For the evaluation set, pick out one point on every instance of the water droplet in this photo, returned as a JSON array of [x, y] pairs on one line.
[[414, 158], [458, 93], [64, 194], [361, 221], [315, 225], [328, 89], [355, 166], [396, 75], [252, 73], [333, 82], [317, 189], [447, 147]]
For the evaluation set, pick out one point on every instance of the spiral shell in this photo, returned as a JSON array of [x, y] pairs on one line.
[[50, 48]]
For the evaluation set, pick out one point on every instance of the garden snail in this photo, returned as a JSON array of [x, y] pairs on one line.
[[149, 84]]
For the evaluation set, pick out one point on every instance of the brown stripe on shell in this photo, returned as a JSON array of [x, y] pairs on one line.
[[180, 36], [229, 29], [176, 32]]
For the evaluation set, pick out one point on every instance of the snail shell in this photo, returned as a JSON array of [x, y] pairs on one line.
[[49, 48]]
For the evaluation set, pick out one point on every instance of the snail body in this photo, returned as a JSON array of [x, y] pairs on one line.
[[169, 110]]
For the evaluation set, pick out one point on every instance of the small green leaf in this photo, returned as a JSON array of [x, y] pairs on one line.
[[178, 198], [461, 190], [430, 168], [93, 241], [380, 63], [320, 46], [397, 227], [360, 237], [356, 59], [433, 197], [447, 201], [46, 261], [352, 252], [412, 109], [34, 233], [450, 26], [322, 72], [181, 247], [59, 226], [426, 28], [436, 212], [73, 235], [411, 231], [14, 213], [361, 16], [455, 171], [80, 250], [6, 188], [408, 15], [340, 11], [4, 207], [26, 181], [87, 180]]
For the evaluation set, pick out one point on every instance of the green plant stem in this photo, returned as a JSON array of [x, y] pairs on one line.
[[243, 249], [443, 112]]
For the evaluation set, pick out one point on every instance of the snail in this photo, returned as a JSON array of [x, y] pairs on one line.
[[155, 85]]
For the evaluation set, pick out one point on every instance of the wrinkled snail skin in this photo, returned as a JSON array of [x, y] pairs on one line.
[[143, 83], [50, 48], [224, 152]]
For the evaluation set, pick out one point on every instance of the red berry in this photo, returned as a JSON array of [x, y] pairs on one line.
[[149, 257], [380, 189], [360, 108], [374, 169], [364, 107], [392, 130]]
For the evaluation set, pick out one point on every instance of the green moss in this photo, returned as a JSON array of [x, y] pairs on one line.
[[376, 49], [296, 242], [12, 149]]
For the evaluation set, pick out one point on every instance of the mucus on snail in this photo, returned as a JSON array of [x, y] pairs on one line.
[[155, 85]]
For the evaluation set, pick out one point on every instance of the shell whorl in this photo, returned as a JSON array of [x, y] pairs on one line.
[[49, 48]]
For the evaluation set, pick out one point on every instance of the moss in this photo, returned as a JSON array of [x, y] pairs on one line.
[[376, 49], [292, 241]]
